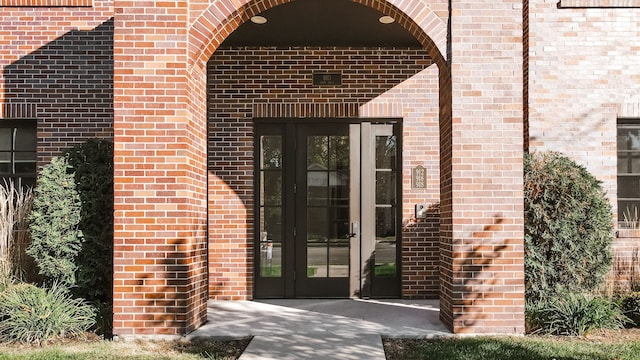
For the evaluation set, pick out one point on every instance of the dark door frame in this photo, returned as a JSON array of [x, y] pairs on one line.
[[285, 285]]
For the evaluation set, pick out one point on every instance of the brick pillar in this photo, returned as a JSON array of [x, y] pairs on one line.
[[160, 279], [482, 246]]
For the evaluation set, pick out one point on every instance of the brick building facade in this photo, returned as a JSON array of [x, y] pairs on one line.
[[192, 117]]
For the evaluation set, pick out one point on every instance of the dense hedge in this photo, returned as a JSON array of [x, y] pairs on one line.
[[568, 227], [92, 165]]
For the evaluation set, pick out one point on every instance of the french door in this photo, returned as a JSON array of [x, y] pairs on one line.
[[327, 203]]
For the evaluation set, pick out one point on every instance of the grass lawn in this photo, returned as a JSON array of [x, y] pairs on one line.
[[608, 347], [613, 345], [139, 350]]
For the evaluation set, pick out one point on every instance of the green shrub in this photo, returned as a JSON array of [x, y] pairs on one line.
[[573, 314], [630, 306], [32, 315], [568, 227], [53, 223], [92, 164]]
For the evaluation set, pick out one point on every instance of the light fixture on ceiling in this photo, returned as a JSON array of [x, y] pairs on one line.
[[386, 19], [258, 19]]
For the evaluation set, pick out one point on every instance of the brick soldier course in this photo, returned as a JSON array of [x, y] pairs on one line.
[[491, 81]]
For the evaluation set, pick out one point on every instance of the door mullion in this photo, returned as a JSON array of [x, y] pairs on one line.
[[354, 211], [289, 211]]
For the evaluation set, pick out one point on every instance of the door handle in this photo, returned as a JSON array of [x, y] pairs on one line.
[[355, 231]]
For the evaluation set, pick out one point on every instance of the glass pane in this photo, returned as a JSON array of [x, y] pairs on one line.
[[339, 229], [386, 152], [339, 146], [385, 187], [270, 259], [317, 152], [387, 269], [317, 240], [623, 165], [25, 167], [629, 186], [385, 258], [271, 191], [25, 155], [25, 139], [28, 182], [5, 168], [317, 187], [339, 259], [271, 152], [622, 139], [628, 162], [271, 223], [628, 139], [317, 224], [316, 259], [271, 242], [5, 138], [629, 213], [386, 223], [339, 188]]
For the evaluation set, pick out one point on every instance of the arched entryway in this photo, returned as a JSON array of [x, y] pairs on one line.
[[176, 211], [288, 234]]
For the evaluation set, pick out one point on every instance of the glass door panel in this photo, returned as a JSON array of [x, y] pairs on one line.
[[327, 202], [322, 266], [327, 199], [270, 222], [386, 205]]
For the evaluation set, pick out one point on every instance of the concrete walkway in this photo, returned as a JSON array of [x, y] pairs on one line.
[[320, 329]]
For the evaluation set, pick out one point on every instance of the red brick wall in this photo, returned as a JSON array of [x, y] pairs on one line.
[[483, 278], [56, 66], [382, 82], [160, 173]]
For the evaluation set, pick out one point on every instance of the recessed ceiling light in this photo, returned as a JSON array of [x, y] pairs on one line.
[[386, 19], [258, 19]]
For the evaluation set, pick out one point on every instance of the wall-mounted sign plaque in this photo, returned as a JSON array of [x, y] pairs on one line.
[[418, 177], [327, 79]]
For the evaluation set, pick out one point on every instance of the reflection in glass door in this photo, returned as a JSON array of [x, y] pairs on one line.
[[271, 223], [376, 210], [326, 209], [322, 226]]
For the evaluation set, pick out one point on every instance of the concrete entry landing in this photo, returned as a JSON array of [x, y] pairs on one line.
[[320, 329]]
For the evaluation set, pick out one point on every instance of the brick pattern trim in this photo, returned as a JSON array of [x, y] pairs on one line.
[[302, 110], [46, 3], [222, 17], [628, 109], [599, 4], [19, 111]]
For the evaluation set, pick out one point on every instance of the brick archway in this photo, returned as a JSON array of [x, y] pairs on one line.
[[234, 228], [221, 18]]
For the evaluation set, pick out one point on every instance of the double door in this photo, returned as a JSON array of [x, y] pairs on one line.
[[327, 202]]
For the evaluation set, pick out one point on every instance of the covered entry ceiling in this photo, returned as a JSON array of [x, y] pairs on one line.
[[322, 23]]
